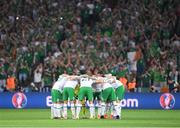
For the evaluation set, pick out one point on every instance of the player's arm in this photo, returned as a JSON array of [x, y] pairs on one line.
[[100, 80], [84, 75], [73, 77]]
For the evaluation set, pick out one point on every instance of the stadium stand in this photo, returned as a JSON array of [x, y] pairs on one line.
[[134, 39]]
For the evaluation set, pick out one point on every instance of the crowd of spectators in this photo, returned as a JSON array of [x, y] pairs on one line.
[[136, 39]]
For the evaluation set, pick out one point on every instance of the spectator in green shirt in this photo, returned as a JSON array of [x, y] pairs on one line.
[[23, 73]]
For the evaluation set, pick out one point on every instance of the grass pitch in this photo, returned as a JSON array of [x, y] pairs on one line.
[[40, 118]]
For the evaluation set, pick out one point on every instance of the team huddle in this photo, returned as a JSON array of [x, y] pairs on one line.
[[106, 90]]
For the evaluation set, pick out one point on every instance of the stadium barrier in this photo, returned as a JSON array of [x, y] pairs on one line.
[[131, 100]]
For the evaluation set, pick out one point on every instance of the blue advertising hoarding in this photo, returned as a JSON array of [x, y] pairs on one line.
[[131, 100]]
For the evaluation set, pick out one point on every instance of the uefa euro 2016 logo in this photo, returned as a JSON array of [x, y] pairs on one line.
[[19, 100], [167, 101]]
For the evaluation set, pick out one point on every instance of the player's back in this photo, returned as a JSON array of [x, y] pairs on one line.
[[58, 85], [107, 83], [116, 84], [71, 83], [86, 82]]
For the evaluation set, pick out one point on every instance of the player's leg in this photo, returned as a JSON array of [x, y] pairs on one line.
[[65, 99], [120, 95], [99, 109], [59, 104], [118, 113], [65, 109], [83, 102], [91, 109], [72, 98], [105, 94], [53, 110], [107, 109], [113, 99], [78, 108], [59, 109], [91, 104], [110, 108], [103, 109], [81, 95], [116, 110], [73, 109], [99, 97], [94, 101], [54, 105]]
